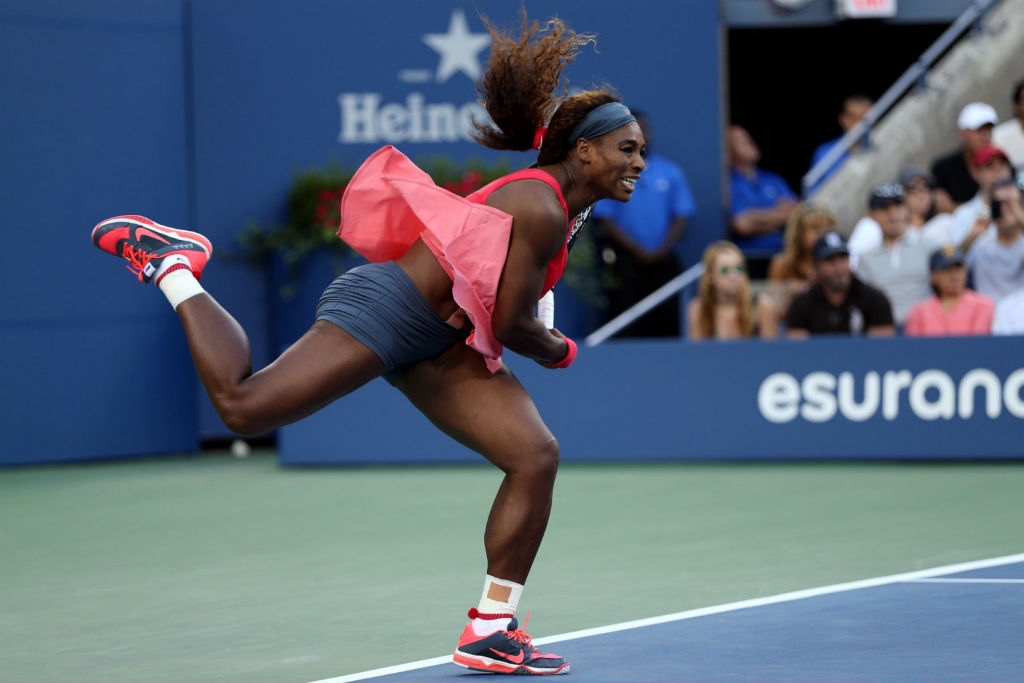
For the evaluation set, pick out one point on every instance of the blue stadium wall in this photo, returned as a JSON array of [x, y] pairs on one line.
[[201, 113], [93, 114]]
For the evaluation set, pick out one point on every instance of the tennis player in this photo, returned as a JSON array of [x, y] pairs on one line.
[[451, 281]]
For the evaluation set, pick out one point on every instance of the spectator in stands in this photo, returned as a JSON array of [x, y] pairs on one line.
[[1009, 316], [854, 109], [792, 270], [838, 303], [867, 233], [919, 195], [898, 265], [724, 307], [1009, 135], [641, 235], [972, 219], [954, 182], [954, 310], [761, 200], [996, 258]]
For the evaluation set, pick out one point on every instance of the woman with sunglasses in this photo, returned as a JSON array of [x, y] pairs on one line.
[[724, 307]]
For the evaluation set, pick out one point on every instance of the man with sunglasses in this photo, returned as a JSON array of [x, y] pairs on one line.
[[838, 303]]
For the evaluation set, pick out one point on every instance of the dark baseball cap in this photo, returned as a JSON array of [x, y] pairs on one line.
[[885, 194], [945, 257], [830, 244], [912, 173]]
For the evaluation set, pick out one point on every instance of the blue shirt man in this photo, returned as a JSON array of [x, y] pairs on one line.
[[761, 200], [762, 190], [819, 153], [639, 241], [855, 108]]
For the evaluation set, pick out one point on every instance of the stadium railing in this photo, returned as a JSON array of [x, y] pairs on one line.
[[916, 74]]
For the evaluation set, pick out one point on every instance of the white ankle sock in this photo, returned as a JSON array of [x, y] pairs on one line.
[[179, 285], [499, 597]]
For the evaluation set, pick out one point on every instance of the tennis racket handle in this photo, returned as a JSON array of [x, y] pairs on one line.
[[546, 309]]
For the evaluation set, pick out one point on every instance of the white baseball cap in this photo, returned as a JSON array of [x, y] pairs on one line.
[[975, 115]]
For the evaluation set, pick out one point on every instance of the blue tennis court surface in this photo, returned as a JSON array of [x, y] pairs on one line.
[[961, 623]]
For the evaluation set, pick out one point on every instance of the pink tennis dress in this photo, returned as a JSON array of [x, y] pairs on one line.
[[390, 203]]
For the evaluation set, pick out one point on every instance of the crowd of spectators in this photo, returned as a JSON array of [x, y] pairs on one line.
[[938, 251]]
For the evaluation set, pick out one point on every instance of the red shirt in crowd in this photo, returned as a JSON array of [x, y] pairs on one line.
[[970, 315]]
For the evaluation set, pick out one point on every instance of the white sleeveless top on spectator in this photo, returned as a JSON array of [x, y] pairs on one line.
[[998, 269], [1009, 136], [1009, 316]]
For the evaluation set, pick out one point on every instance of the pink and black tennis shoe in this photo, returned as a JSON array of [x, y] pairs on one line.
[[147, 246], [505, 652]]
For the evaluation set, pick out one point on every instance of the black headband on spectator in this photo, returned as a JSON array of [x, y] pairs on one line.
[[601, 120]]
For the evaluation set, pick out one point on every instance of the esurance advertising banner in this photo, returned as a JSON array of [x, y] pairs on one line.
[[822, 398], [856, 398]]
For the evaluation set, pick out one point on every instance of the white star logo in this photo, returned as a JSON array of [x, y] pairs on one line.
[[459, 49]]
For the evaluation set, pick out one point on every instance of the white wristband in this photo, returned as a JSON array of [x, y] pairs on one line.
[[546, 309]]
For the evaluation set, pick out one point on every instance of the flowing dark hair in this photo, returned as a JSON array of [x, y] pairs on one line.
[[523, 86]]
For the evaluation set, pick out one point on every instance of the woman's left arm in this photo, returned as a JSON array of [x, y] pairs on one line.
[[539, 230]]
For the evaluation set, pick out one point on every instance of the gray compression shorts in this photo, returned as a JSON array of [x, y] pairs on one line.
[[380, 306]]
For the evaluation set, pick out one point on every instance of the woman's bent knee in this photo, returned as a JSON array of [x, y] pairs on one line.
[[537, 460]]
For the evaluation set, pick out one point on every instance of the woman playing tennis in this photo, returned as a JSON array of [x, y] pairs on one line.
[[450, 282]]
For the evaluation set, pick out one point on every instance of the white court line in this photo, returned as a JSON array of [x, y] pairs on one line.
[[715, 609], [964, 581]]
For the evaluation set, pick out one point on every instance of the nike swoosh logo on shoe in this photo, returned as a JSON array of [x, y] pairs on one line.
[[167, 238], [518, 659], [143, 233]]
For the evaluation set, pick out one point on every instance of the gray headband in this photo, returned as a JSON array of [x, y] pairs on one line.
[[601, 120]]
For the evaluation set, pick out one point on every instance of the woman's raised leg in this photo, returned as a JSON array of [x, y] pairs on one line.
[[324, 364]]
